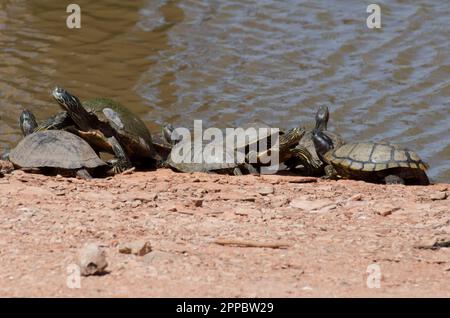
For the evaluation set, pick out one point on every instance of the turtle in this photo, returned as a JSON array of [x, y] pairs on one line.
[[186, 156], [110, 127], [56, 151], [371, 161], [310, 161]]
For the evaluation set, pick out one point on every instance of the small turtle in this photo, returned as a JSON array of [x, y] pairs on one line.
[[56, 151], [110, 127], [371, 161], [311, 164], [201, 156]]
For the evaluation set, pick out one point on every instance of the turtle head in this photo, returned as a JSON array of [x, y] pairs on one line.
[[170, 135], [73, 106], [27, 122], [322, 117], [322, 142]]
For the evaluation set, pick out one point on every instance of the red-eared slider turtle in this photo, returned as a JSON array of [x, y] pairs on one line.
[[110, 127], [187, 157], [371, 161], [56, 151], [312, 165]]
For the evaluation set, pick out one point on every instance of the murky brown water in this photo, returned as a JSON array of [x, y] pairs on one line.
[[230, 62]]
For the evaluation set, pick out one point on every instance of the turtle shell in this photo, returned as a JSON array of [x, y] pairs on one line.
[[187, 157], [54, 149], [254, 134], [366, 156], [133, 133]]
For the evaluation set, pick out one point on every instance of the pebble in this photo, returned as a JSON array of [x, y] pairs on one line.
[[309, 205], [265, 191], [92, 260], [356, 197], [139, 248], [233, 196], [438, 196], [386, 210]]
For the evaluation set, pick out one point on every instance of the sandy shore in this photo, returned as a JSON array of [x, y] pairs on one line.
[[213, 235]]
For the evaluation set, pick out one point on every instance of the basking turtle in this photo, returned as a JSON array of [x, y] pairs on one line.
[[312, 165], [56, 151], [110, 127], [187, 157], [370, 161]]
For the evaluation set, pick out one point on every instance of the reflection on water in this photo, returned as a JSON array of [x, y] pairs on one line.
[[230, 62]]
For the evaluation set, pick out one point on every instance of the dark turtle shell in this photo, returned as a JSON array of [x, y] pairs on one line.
[[370, 161], [133, 133], [54, 149]]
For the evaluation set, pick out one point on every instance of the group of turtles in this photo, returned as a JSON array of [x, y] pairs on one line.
[[70, 143]]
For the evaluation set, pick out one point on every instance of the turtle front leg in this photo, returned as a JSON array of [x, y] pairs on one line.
[[303, 156], [123, 163], [330, 173]]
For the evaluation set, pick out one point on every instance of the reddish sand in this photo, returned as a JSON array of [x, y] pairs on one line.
[[213, 235]]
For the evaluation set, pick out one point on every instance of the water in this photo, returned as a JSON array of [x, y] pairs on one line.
[[231, 62]]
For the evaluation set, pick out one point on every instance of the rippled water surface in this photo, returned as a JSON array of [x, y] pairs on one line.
[[231, 62]]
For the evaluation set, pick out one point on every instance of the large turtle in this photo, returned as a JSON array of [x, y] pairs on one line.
[[311, 164], [110, 127], [53, 151], [371, 161], [199, 156]]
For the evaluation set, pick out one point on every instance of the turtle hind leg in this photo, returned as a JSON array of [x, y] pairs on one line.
[[301, 155], [123, 163], [394, 179]]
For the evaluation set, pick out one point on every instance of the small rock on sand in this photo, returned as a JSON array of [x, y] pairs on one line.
[[139, 248], [265, 190], [438, 196], [309, 205], [92, 260], [386, 210]]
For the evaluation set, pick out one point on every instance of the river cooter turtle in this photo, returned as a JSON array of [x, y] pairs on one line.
[[56, 151], [187, 157], [110, 127], [371, 161]]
